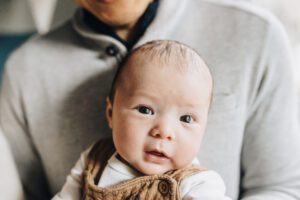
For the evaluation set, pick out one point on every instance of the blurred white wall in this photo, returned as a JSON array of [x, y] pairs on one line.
[[15, 17], [19, 16]]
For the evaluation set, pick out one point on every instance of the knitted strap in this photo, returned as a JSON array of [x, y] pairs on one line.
[[96, 158], [180, 174]]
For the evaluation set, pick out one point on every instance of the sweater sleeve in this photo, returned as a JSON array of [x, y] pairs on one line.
[[207, 185], [270, 155], [71, 190], [14, 125], [8, 174]]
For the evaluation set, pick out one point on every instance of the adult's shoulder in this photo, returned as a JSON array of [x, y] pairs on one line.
[[241, 9], [254, 23], [237, 16], [243, 25], [42, 48]]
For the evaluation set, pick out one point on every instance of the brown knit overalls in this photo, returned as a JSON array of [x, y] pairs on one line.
[[155, 187]]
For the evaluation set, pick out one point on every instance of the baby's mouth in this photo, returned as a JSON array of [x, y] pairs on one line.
[[156, 156], [156, 153]]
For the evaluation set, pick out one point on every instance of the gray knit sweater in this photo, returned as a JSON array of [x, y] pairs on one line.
[[52, 103]]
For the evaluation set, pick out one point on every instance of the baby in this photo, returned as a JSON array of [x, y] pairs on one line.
[[157, 110]]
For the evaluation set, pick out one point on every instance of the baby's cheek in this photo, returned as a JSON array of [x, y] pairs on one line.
[[187, 152]]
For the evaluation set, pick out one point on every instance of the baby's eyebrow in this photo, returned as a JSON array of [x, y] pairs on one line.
[[144, 94]]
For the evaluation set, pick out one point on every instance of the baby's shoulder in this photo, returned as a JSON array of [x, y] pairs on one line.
[[204, 176], [204, 181]]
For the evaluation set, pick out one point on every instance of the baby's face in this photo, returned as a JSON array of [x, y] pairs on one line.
[[159, 115]]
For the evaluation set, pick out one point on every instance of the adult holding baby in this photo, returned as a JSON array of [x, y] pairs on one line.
[[53, 96]]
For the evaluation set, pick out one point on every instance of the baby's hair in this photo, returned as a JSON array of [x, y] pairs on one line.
[[165, 51]]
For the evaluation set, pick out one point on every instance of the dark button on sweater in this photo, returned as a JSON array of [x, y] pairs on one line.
[[112, 50]]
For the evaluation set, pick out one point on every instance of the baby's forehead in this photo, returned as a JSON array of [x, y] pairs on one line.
[[174, 60], [142, 69], [159, 57]]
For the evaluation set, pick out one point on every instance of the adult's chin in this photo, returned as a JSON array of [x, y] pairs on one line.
[[122, 13]]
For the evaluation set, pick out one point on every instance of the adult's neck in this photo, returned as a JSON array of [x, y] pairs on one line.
[[127, 32]]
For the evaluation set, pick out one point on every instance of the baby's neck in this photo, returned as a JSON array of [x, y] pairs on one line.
[[128, 164]]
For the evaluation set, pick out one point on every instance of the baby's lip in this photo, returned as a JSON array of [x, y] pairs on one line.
[[157, 153], [105, 1]]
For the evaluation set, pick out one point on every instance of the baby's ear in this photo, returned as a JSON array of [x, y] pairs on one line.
[[109, 112]]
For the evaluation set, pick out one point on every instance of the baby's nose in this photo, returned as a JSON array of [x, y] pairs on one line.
[[163, 130]]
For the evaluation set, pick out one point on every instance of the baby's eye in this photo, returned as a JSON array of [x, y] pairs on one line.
[[145, 110], [187, 119]]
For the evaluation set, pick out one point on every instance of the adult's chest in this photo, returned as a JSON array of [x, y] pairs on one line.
[[68, 113]]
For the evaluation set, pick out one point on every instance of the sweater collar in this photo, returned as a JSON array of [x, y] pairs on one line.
[[142, 24], [163, 25]]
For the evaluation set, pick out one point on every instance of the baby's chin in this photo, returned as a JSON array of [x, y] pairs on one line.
[[156, 169], [153, 169]]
